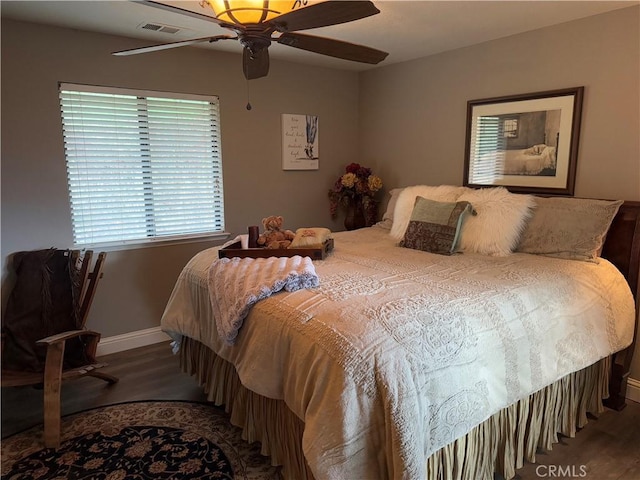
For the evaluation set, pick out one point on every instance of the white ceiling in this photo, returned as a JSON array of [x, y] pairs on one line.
[[405, 29]]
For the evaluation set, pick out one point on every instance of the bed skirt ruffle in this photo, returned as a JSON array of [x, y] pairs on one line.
[[500, 444]]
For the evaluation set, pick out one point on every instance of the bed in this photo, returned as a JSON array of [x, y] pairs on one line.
[[407, 364], [529, 161]]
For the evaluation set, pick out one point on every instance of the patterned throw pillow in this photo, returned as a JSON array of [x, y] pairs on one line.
[[572, 228], [407, 200], [435, 226]]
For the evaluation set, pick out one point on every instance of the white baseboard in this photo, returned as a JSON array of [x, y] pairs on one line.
[[633, 390], [127, 341]]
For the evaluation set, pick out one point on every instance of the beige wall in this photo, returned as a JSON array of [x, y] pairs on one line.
[[409, 125], [412, 115], [137, 283]]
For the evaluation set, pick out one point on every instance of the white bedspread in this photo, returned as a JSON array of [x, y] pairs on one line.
[[399, 352], [530, 161]]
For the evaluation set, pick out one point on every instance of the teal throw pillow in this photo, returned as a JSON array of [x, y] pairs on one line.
[[435, 226]]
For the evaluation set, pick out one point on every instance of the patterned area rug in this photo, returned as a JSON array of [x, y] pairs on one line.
[[141, 440]]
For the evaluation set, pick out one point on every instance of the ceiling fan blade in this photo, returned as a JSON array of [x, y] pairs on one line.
[[323, 14], [333, 48], [256, 64], [166, 46], [181, 11]]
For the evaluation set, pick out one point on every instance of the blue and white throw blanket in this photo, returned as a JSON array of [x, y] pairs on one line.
[[236, 284]]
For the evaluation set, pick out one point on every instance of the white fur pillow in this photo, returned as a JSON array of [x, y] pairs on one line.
[[407, 199], [500, 220]]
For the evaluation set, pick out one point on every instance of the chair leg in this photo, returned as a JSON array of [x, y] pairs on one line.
[[52, 385], [103, 376]]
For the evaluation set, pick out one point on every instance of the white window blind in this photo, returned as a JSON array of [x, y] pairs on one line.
[[487, 155], [141, 166]]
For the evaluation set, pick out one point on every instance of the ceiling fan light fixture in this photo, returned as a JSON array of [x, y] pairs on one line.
[[255, 21], [243, 12]]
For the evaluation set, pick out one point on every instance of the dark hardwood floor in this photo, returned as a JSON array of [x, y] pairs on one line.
[[607, 448], [146, 373]]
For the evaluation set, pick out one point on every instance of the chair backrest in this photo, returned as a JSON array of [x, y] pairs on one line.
[[89, 283], [53, 293]]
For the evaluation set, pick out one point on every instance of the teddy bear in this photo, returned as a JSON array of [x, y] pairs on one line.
[[273, 237]]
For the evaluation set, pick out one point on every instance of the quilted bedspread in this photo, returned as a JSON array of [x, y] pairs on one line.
[[399, 352]]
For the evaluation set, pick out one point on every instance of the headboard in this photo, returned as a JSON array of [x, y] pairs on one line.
[[622, 248]]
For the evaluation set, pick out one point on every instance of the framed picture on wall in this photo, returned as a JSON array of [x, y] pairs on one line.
[[527, 143], [300, 142]]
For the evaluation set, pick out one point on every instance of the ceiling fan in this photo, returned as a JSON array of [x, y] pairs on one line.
[[256, 21]]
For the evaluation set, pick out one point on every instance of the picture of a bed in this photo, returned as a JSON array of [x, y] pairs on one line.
[[527, 142], [530, 141]]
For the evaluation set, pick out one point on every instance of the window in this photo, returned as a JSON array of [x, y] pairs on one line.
[[510, 127], [141, 166], [488, 150]]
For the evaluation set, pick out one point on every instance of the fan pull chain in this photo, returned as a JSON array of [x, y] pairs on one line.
[[248, 100]]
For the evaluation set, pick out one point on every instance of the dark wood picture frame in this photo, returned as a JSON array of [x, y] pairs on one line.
[[541, 158]]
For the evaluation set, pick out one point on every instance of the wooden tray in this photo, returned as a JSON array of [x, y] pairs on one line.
[[235, 250]]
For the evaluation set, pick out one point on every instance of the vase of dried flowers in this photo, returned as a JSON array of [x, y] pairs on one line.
[[355, 217], [354, 192]]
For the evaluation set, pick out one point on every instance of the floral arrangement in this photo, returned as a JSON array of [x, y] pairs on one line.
[[356, 187]]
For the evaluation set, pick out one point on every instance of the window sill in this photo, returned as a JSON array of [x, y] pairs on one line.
[[136, 245]]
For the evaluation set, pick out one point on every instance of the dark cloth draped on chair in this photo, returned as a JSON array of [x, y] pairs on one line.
[[43, 302]]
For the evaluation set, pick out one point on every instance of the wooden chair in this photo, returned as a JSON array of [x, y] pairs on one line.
[[54, 372]]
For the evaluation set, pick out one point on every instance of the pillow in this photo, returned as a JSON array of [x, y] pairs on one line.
[[310, 237], [407, 198], [535, 150], [435, 226], [573, 228], [497, 227], [387, 218]]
